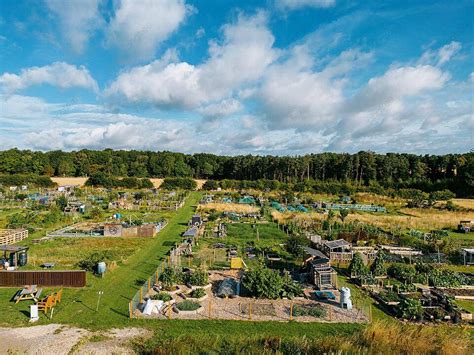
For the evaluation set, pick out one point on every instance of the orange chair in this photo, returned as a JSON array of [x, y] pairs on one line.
[[46, 304], [57, 296]]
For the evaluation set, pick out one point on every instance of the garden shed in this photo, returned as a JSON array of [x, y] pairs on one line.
[[468, 256]]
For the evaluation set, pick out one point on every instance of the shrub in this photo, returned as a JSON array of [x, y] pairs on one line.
[[198, 293], [168, 277], [357, 266], [90, 263], [162, 296], [178, 183], [264, 283], [309, 310], [410, 308], [188, 305], [402, 272], [197, 278], [378, 268]]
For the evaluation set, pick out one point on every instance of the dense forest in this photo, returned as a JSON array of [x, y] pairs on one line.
[[425, 172]]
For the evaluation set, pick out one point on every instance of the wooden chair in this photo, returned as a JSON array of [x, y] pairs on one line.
[[46, 304], [58, 296]]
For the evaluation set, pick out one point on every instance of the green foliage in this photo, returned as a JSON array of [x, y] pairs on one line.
[[343, 214], [178, 183], [96, 213], [295, 244], [109, 181], [61, 202], [30, 179], [198, 293], [378, 268], [196, 278], [188, 305], [90, 263], [162, 296], [402, 272], [357, 267], [169, 277], [263, 282], [410, 308], [309, 310]]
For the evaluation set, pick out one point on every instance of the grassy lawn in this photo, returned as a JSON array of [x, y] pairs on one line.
[[119, 285], [468, 305]]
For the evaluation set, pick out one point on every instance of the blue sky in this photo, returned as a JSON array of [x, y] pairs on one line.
[[237, 77]]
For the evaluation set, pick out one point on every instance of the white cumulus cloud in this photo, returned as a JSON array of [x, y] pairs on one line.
[[138, 27], [78, 20], [59, 74]]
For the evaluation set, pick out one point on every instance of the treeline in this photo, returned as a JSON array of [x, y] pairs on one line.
[[425, 172], [28, 179]]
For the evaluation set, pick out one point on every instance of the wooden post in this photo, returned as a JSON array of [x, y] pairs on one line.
[[330, 313], [141, 294], [169, 309], [250, 310], [130, 309], [149, 283], [156, 276], [291, 309], [189, 261], [209, 309]]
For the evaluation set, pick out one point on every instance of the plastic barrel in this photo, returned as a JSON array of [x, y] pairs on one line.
[[22, 259], [101, 268]]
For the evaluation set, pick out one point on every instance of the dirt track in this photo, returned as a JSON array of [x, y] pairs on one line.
[[58, 339]]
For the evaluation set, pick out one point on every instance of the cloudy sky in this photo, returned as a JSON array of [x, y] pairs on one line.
[[237, 77]]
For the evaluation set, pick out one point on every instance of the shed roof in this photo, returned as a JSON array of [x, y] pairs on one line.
[[12, 248], [332, 244], [314, 252], [191, 232]]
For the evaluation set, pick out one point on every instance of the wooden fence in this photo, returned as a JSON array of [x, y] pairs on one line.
[[69, 278]]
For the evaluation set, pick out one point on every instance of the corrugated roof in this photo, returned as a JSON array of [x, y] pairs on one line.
[[332, 244]]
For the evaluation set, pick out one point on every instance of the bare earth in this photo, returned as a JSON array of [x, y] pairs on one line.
[[59, 339]]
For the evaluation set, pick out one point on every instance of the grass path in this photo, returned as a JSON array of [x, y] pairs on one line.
[[118, 286]]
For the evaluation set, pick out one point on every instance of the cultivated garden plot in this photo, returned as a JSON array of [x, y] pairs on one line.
[[210, 306]]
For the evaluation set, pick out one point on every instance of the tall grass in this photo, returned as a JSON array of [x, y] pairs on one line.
[[228, 207], [378, 338]]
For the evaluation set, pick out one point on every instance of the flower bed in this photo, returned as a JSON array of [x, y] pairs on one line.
[[187, 307]]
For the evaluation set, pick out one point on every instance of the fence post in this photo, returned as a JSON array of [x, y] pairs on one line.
[[149, 283], [130, 309], [330, 313], [169, 309], [250, 310], [291, 309], [141, 294], [209, 308]]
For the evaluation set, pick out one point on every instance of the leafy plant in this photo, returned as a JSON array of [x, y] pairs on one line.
[[90, 263], [188, 305], [410, 308], [263, 282], [162, 296], [357, 266], [168, 277], [197, 278], [198, 293], [378, 268], [309, 310]]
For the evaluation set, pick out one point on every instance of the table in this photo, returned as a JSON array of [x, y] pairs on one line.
[[30, 292]]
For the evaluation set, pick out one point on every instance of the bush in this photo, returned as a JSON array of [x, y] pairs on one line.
[[357, 266], [197, 278], [162, 296], [178, 183], [410, 308], [188, 305], [402, 272], [198, 293], [378, 268], [309, 310], [264, 283], [169, 277], [90, 263]]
